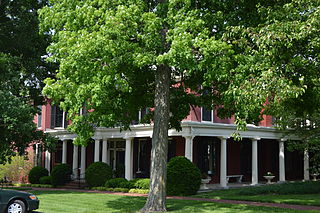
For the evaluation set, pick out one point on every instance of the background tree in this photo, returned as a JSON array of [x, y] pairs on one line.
[[117, 57], [22, 70]]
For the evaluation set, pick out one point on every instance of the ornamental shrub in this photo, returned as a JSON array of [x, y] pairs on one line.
[[116, 183], [142, 183], [36, 173], [45, 180], [183, 177], [60, 175], [98, 173]]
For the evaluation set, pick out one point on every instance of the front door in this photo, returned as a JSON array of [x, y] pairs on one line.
[[117, 157]]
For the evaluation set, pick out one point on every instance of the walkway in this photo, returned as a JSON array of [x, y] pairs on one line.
[[251, 203]]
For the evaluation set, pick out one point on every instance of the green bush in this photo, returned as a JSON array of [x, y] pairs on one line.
[[36, 173], [183, 177], [98, 173], [116, 183], [45, 180], [142, 183], [310, 187], [139, 191], [60, 175]]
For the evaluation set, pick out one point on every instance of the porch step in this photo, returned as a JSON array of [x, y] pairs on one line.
[[76, 185]]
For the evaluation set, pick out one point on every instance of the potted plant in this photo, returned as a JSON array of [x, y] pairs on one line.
[[269, 176]]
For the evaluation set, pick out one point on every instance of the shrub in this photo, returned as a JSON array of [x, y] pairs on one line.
[[45, 180], [184, 178], [142, 183], [310, 187], [60, 175], [139, 191], [98, 173], [116, 183], [36, 173]]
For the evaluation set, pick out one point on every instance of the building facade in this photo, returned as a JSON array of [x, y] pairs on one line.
[[204, 139]]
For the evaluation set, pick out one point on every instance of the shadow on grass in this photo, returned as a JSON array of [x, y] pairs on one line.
[[117, 203]]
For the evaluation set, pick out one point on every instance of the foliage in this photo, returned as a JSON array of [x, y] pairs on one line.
[[139, 191], [98, 173], [246, 58], [61, 174], [22, 70], [45, 180], [116, 183], [143, 183], [311, 187], [184, 178], [36, 173], [17, 170]]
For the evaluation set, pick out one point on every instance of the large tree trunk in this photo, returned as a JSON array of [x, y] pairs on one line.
[[158, 175]]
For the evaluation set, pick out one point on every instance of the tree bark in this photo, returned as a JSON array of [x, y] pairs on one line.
[[156, 201]]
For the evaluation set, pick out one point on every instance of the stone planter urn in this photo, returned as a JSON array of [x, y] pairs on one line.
[[204, 183], [314, 176], [269, 178]]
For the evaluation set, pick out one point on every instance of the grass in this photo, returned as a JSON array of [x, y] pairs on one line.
[[290, 193], [79, 202]]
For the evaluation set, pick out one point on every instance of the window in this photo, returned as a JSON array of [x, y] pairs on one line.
[[58, 118], [39, 122], [206, 114], [140, 115]]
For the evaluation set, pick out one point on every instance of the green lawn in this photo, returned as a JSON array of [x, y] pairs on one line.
[[291, 193], [78, 202]]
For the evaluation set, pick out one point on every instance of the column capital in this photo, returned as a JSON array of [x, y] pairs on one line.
[[283, 139], [189, 136], [128, 138], [223, 137], [255, 139], [105, 139]]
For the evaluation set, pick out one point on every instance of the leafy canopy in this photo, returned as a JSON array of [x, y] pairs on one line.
[[248, 55], [22, 71]]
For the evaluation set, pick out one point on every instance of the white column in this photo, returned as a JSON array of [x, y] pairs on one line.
[[254, 177], [282, 170], [36, 161], [105, 150], [128, 159], [75, 161], [83, 162], [223, 163], [96, 150], [306, 173], [47, 160], [189, 147], [64, 151]]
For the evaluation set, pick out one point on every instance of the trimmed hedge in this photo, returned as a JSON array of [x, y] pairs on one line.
[[60, 175], [309, 187], [45, 180], [98, 173], [183, 177], [36, 173]]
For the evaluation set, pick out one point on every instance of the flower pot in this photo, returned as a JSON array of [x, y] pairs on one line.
[[268, 178], [204, 183]]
